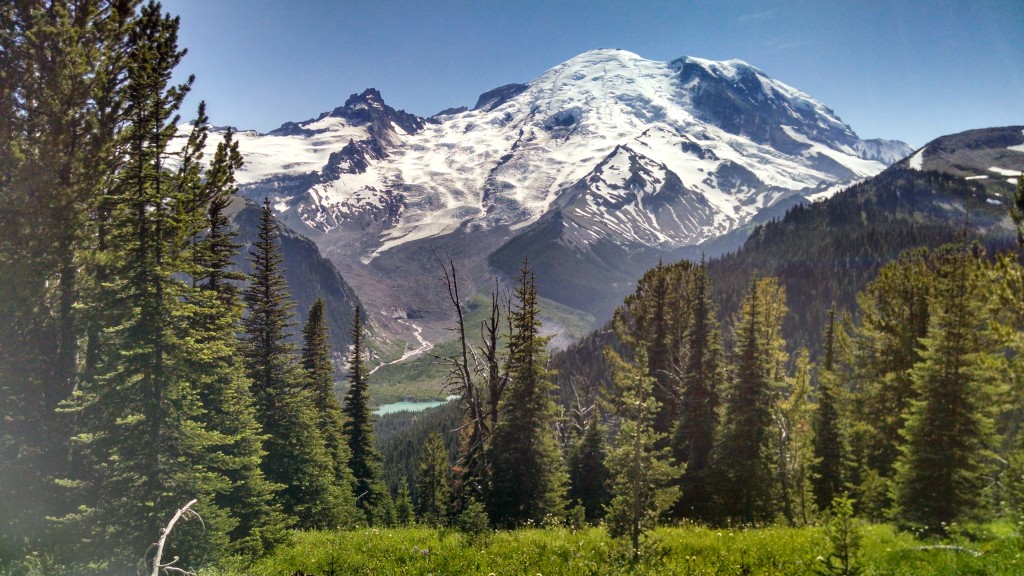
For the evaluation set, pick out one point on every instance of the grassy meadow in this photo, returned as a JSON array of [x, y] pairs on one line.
[[687, 550]]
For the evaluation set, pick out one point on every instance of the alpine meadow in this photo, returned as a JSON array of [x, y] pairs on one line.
[[629, 317]]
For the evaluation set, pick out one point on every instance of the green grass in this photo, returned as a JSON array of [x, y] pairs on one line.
[[684, 550]]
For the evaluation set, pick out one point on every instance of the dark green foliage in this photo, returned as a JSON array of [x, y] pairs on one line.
[[214, 312], [826, 252], [401, 435], [473, 519], [142, 435], [588, 471], [63, 72], [319, 373], [642, 476], [310, 276], [701, 383], [527, 473], [829, 449], [653, 317], [433, 482], [745, 461], [405, 514], [944, 458], [372, 496], [894, 317], [297, 456]]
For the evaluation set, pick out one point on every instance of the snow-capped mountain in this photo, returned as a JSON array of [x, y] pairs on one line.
[[643, 155]]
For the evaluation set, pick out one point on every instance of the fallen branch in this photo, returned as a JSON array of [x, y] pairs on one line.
[[187, 513]]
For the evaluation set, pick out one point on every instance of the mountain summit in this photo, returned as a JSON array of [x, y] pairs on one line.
[[605, 152]]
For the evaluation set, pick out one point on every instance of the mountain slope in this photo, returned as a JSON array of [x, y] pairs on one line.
[[992, 157], [827, 251], [606, 161], [309, 276]]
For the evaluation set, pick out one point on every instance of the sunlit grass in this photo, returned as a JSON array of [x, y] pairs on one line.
[[682, 550]]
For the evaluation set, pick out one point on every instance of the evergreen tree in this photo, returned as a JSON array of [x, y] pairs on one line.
[[702, 378], [794, 417], [745, 460], [656, 317], [1006, 281], [643, 478], [949, 430], [365, 462], [844, 538], [527, 474], [143, 434], [215, 312], [588, 471], [297, 456], [432, 482], [316, 361], [405, 514], [61, 111], [829, 453], [894, 317]]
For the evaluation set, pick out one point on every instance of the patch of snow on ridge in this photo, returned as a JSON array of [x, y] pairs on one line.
[[831, 191], [1004, 171], [1018, 147], [916, 162]]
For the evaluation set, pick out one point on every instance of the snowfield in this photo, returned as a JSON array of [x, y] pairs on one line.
[[630, 148]]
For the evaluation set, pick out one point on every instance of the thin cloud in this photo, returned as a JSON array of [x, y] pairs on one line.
[[779, 45], [757, 16]]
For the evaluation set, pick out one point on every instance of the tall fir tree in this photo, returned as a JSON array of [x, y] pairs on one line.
[[745, 461], [371, 494], [214, 315], [528, 477], [656, 316], [946, 455], [588, 471], [433, 483], [316, 361], [1006, 281], [643, 477], [829, 450], [701, 382], [887, 343], [297, 456], [142, 433], [64, 68]]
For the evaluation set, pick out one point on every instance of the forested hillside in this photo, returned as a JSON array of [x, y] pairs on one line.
[[826, 252]]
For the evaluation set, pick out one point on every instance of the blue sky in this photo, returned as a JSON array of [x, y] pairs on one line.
[[906, 70]]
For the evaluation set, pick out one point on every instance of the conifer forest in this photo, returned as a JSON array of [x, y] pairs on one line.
[[843, 394]]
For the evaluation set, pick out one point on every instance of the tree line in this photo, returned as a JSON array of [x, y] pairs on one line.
[[139, 369], [911, 409]]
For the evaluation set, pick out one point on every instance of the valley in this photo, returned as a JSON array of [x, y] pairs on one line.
[[600, 167]]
